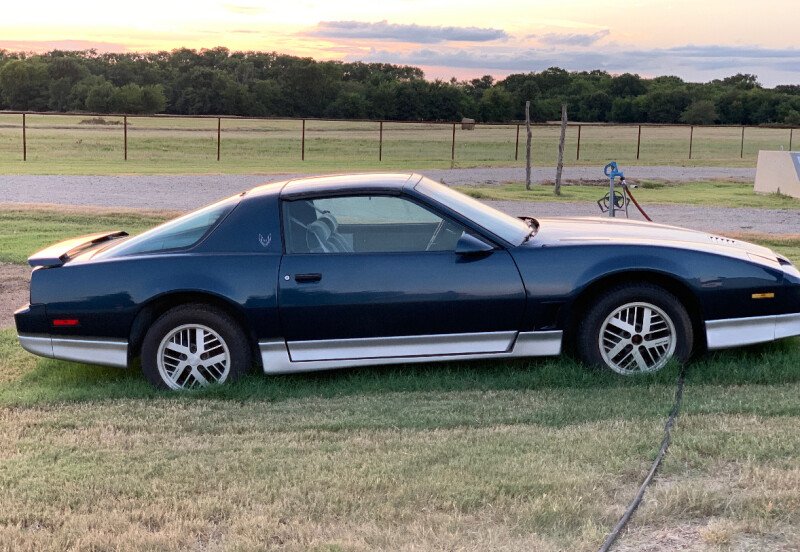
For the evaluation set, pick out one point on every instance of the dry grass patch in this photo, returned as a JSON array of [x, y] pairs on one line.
[[219, 475]]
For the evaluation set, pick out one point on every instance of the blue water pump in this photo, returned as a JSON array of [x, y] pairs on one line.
[[618, 201], [614, 201]]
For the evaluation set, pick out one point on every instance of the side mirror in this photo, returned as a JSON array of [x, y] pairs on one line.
[[470, 245]]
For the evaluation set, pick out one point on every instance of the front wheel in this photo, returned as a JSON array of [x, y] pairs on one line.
[[635, 329], [194, 346]]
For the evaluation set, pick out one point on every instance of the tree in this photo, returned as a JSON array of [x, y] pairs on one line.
[[496, 105], [24, 84], [626, 85], [700, 112], [100, 97], [665, 105]]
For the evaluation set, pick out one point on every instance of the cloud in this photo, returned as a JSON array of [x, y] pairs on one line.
[[572, 39], [412, 33], [660, 60]]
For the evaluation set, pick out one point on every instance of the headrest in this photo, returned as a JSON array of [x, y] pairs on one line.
[[319, 229], [328, 219]]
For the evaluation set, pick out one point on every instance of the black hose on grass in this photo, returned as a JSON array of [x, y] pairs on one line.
[[673, 415]]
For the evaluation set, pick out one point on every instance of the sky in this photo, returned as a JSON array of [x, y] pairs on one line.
[[697, 40]]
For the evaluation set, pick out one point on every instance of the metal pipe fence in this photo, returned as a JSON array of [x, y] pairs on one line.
[[156, 136]]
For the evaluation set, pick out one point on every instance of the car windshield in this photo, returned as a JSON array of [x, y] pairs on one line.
[[180, 233], [511, 229]]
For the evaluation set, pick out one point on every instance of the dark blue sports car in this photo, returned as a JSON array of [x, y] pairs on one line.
[[359, 270]]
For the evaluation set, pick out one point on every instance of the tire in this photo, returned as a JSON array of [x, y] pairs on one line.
[[635, 329], [171, 358]]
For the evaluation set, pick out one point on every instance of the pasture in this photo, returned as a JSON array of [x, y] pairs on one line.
[[60, 144], [526, 455]]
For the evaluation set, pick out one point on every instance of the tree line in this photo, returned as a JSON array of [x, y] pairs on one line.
[[219, 82]]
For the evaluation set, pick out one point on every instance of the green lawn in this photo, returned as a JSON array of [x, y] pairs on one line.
[[525, 455], [529, 455], [64, 145], [24, 230], [714, 193]]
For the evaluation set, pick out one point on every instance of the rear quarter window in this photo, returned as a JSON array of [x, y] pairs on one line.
[[181, 233]]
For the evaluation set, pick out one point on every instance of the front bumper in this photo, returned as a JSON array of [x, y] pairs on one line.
[[737, 332]]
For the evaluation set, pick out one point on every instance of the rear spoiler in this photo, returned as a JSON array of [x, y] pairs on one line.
[[60, 253]]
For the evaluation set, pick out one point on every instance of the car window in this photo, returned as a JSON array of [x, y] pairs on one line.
[[181, 233], [366, 224]]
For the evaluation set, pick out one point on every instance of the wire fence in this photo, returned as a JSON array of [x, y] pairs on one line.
[[94, 137]]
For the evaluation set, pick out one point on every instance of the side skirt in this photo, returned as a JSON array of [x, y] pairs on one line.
[[105, 352], [350, 353], [737, 332]]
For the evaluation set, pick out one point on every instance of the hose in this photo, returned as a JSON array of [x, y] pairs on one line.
[[637, 203], [662, 452]]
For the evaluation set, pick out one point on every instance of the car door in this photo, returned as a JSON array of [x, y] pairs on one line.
[[372, 276]]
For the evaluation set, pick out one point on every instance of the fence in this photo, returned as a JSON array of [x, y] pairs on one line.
[[98, 138]]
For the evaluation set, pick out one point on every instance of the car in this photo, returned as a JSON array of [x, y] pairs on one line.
[[370, 269]]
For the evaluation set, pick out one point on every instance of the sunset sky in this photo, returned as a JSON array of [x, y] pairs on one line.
[[698, 40]]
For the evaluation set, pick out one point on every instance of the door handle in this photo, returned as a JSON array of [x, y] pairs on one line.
[[308, 278]]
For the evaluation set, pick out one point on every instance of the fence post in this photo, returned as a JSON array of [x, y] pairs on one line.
[[24, 140], [516, 148], [303, 143], [453, 147], [562, 138], [219, 135], [125, 136], [639, 142], [691, 137], [791, 135], [578, 149], [380, 142], [528, 145], [741, 150]]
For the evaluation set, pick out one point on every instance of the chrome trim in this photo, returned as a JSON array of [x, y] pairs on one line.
[[400, 346], [37, 344], [736, 332], [530, 344], [276, 360], [105, 352]]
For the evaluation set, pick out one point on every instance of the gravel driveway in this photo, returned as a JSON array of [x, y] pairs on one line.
[[185, 192]]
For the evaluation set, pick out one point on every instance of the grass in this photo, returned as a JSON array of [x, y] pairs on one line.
[[713, 193], [26, 229], [62, 145], [526, 455], [505, 456]]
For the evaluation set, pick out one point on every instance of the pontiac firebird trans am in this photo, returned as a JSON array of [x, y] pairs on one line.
[[358, 270]]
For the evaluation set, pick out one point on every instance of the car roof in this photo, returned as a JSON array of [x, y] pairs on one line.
[[391, 183]]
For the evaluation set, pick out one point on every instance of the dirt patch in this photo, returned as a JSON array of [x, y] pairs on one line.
[[14, 281]]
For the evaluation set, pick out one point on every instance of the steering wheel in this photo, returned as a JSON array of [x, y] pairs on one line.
[[435, 235]]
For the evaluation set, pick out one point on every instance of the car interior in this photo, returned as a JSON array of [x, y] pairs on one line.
[[312, 229]]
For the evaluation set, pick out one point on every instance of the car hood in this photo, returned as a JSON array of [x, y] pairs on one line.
[[595, 230]]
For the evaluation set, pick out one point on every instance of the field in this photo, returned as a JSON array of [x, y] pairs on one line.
[[715, 193], [525, 455], [62, 144]]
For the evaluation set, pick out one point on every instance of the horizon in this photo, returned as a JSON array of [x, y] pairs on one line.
[[465, 40]]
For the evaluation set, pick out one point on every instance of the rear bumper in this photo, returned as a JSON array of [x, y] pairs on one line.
[[736, 332], [105, 352]]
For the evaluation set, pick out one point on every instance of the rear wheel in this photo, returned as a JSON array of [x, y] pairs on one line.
[[635, 329], [194, 346]]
